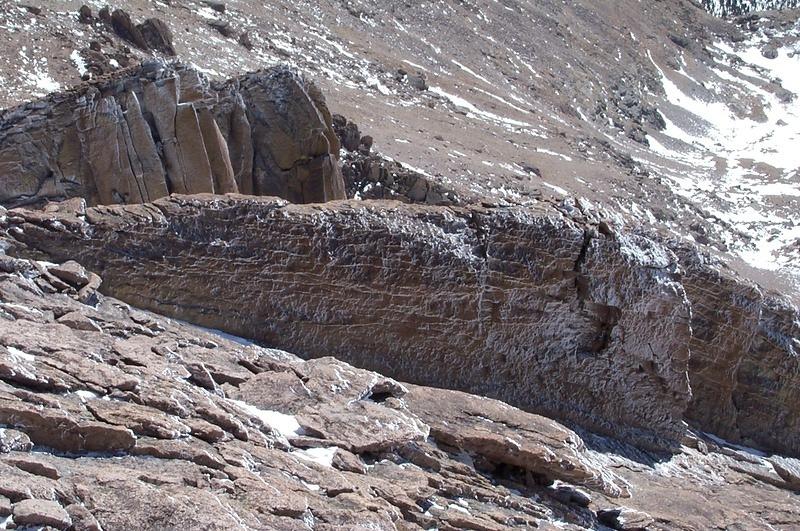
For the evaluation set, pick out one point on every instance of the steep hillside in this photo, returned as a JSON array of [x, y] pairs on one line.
[[654, 112], [350, 265]]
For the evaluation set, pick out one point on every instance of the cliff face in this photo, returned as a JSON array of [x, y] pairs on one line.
[[143, 423], [745, 357], [528, 304], [521, 304], [117, 418], [160, 128]]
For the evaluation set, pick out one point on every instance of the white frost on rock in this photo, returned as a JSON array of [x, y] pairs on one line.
[[322, 456], [19, 355], [85, 395], [78, 61], [284, 424]]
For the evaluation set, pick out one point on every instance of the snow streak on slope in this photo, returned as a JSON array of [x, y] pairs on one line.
[[738, 134], [739, 7]]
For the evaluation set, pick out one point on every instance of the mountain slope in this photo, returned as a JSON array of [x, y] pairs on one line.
[[656, 113]]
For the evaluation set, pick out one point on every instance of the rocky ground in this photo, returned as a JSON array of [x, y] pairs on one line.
[[465, 209], [202, 430]]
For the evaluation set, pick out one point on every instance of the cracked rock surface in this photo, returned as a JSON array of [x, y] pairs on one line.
[[521, 304], [153, 129], [202, 430]]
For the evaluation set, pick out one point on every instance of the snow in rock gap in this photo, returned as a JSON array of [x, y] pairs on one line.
[[85, 395], [80, 64], [555, 188], [415, 65], [323, 456], [471, 72], [20, 355], [745, 449], [284, 424], [554, 154], [220, 333], [476, 112]]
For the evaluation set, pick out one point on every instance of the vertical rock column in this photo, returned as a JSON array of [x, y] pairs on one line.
[[217, 152], [144, 157], [161, 100], [240, 143], [105, 143], [192, 151]]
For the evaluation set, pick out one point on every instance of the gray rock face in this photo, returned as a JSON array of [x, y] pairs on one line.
[[745, 362], [521, 304], [224, 434], [160, 128]]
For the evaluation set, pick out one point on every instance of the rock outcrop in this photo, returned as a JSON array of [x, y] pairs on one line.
[[521, 304], [142, 422], [160, 128], [219, 426], [745, 357]]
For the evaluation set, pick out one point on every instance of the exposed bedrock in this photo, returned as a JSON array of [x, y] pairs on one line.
[[745, 361], [161, 128], [143, 423], [521, 304]]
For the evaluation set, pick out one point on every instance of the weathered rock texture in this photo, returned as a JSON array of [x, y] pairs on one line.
[[160, 128], [370, 176], [745, 361], [200, 432], [521, 304], [145, 423]]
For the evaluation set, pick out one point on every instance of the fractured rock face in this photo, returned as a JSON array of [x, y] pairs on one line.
[[275, 442], [745, 363], [160, 128], [521, 304]]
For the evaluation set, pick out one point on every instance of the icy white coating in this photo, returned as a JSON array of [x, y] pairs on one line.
[[80, 64], [322, 456], [17, 353], [740, 169], [284, 424]]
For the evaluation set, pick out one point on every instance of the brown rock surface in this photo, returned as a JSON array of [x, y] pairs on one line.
[[42, 513], [745, 362], [522, 304], [484, 465], [150, 130]]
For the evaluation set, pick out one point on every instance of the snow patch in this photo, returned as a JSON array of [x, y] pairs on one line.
[[322, 456], [20, 355], [80, 64], [284, 424], [473, 111]]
